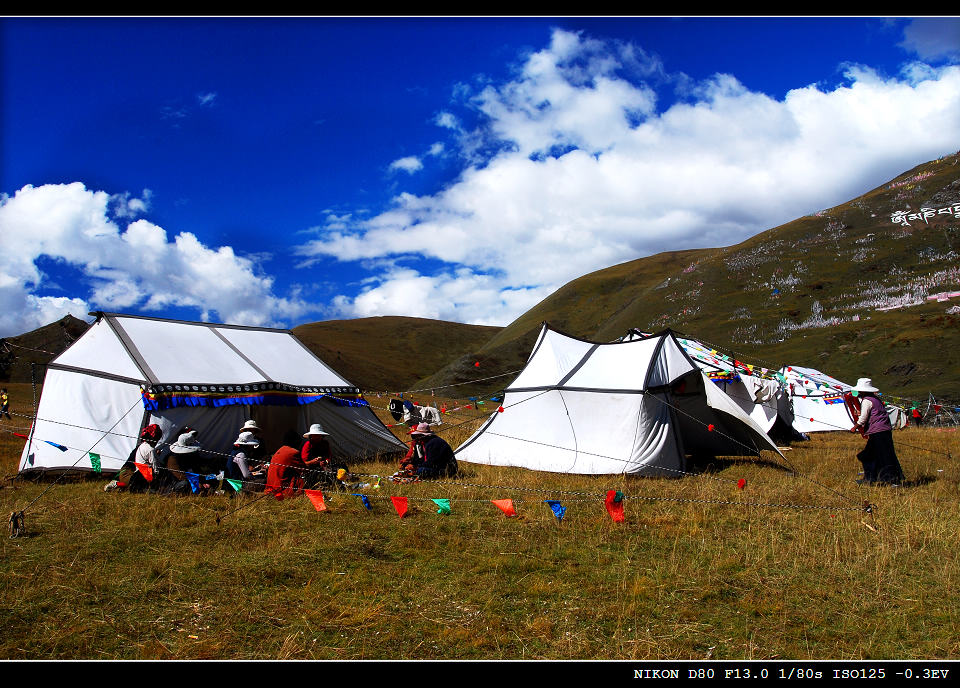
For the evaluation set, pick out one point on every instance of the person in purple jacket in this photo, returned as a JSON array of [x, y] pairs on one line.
[[879, 459]]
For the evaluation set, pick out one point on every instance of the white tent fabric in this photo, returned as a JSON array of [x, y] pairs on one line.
[[817, 400], [605, 408], [763, 399], [128, 371]]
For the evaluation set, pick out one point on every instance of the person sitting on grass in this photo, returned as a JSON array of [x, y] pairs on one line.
[[317, 456], [246, 463], [285, 475], [130, 478], [429, 455]]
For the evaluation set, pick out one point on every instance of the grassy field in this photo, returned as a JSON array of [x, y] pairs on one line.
[[789, 567]]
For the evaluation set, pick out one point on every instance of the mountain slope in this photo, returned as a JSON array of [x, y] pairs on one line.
[[806, 293]]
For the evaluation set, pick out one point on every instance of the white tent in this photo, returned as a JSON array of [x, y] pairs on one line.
[[127, 371], [817, 402], [604, 408]]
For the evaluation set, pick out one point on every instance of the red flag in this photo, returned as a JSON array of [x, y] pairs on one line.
[[742, 483], [400, 504], [500, 409], [505, 505], [710, 427], [316, 498], [614, 503], [17, 434], [477, 364], [144, 470]]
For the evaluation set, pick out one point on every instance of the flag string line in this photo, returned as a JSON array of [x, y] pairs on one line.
[[82, 456], [701, 475], [587, 496]]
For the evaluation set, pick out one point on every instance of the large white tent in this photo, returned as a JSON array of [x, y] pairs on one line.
[[636, 406], [127, 371]]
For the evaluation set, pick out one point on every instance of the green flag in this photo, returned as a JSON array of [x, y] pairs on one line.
[[235, 484], [95, 462], [444, 505]]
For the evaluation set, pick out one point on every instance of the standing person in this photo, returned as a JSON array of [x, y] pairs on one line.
[[4, 404], [285, 475], [879, 458], [917, 416]]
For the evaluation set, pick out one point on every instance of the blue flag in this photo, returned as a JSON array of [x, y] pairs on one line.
[[558, 510], [194, 481], [363, 498]]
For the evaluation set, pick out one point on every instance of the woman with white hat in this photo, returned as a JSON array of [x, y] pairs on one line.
[[879, 458], [317, 455]]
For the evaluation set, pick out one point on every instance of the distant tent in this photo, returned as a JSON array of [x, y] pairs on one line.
[[127, 371], [604, 408], [817, 400], [755, 389]]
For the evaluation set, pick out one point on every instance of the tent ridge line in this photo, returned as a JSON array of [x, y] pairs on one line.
[[241, 354], [102, 314], [580, 364], [94, 373], [131, 348]]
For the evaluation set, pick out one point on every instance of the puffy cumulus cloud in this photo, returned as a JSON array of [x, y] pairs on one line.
[[585, 173], [459, 295], [135, 267]]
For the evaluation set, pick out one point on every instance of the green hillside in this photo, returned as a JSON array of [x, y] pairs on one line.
[[27, 354], [389, 353], [806, 293]]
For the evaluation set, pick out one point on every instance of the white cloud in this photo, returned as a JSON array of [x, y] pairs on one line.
[[933, 38], [589, 174], [409, 164], [206, 98], [124, 268]]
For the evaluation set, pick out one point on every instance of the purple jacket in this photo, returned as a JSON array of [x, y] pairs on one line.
[[878, 420]]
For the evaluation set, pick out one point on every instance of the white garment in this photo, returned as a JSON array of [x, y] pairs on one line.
[[865, 407], [430, 415], [146, 454]]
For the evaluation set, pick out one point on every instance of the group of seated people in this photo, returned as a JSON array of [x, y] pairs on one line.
[[302, 462]]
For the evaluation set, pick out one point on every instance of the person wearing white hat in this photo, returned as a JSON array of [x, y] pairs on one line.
[[246, 461], [879, 458], [429, 456], [317, 455], [251, 426]]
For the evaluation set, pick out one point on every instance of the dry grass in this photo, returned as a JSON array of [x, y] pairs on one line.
[[789, 567]]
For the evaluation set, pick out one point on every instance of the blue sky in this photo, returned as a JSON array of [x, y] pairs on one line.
[[276, 171]]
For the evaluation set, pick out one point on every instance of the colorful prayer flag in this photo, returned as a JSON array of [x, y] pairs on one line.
[[235, 484], [444, 505], [144, 470], [505, 505], [614, 503], [365, 500], [742, 483], [316, 498], [194, 481], [58, 446], [400, 504], [558, 510], [95, 462]]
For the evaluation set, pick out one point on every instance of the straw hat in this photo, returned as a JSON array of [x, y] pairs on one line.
[[315, 429], [422, 429], [865, 384], [186, 444], [250, 426], [247, 439]]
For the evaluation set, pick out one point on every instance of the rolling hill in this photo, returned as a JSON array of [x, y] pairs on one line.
[[850, 290]]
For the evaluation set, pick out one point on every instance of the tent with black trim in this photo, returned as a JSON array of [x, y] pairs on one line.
[[128, 371], [587, 407]]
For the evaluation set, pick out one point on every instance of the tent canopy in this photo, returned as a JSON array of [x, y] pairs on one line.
[[127, 371], [621, 407]]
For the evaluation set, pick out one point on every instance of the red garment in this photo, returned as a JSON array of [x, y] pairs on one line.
[[285, 475], [313, 449]]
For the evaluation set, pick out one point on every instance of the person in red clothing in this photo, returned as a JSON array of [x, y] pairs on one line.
[[285, 475]]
